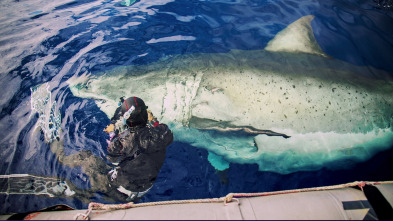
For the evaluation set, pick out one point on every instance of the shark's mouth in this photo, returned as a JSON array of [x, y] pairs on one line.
[[287, 108]]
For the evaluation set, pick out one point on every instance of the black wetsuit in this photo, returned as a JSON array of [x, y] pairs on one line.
[[140, 153]]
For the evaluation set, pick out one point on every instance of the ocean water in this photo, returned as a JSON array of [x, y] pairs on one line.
[[316, 71]]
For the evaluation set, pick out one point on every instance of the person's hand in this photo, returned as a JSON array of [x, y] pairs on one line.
[[109, 128], [150, 116], [151, 119]]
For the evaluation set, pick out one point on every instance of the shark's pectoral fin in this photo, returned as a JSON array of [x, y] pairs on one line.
[[225, 126]]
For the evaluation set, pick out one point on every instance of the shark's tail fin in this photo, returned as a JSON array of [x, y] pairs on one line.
[[36, 185]]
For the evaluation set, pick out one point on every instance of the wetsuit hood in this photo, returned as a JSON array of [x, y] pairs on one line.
[[138, 116]]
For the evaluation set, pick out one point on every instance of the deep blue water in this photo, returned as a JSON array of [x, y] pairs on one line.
[[44, 41]]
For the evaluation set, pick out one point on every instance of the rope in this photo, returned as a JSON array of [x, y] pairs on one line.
[[361, 184], [85, 216], [227, 199], [100, 206]]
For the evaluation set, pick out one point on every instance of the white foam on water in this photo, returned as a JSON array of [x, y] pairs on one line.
[[171, 38], [49, 118]]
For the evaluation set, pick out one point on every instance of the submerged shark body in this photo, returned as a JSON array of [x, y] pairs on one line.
[[320, 110]]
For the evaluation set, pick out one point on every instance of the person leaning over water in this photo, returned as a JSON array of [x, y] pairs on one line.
[[137, 149]]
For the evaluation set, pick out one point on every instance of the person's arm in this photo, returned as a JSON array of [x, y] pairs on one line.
[[115, 118], [115, 147], [168, 135], [163, 134], [115, 150]]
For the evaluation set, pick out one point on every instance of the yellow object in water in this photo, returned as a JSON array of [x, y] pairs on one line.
[[150, 116], [109, 128]]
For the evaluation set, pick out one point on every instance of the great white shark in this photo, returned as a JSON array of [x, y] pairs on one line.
[[323, 112]]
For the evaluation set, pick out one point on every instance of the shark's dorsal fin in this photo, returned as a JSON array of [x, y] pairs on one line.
[[296, 37]]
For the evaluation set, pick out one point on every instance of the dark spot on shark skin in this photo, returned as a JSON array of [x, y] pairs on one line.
[[333, 89]]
